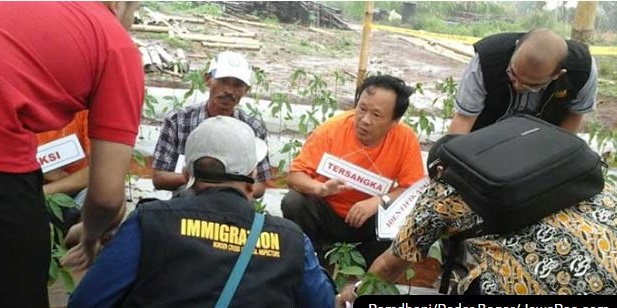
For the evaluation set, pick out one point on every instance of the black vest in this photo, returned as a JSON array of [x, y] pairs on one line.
[[495, 52], [190, 244]]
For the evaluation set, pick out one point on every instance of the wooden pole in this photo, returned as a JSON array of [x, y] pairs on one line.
[[366, 34], [583, 24]]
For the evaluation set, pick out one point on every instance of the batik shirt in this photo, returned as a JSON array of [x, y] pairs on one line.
[[180, 124], [573, 251]]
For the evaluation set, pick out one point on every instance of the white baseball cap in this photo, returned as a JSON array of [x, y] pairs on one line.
[[230, 64], [228, 140]]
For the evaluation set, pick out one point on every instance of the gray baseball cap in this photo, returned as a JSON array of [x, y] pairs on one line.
[[228, 140]]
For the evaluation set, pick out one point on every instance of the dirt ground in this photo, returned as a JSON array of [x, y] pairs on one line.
[[295, 47]]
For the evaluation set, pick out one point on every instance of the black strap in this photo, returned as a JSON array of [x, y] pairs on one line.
[[455, 243]]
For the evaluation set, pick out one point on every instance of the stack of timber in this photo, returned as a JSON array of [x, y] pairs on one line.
[[308, 13], [229, 35], [156, 59]]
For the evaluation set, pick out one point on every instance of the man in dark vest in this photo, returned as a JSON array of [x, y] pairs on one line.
[[180, 253], [537, 73]]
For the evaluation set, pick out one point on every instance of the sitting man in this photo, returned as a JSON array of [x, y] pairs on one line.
[[229, 79], [368, 140], [568, 252], [71, 179], [196, 239]]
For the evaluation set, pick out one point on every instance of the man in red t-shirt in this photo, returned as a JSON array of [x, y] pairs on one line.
[[59, 58]]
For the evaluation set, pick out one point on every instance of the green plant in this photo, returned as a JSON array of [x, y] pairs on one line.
[[423, 126], [314, 88], [149, 102], [193, 7], [291, 148], [347, 262], [196, 83], [176, 103], [139, 158], [447, 87], [373, 285], [54, 204], [603, 139], [259, 206]]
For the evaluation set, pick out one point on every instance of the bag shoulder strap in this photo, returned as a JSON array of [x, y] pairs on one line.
[[245, 255], [455, 242]]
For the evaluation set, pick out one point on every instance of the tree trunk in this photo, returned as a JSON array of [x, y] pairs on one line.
[[583, 25]]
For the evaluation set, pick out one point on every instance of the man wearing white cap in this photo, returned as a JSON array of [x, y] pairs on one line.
[[229, 79], [190, 244]]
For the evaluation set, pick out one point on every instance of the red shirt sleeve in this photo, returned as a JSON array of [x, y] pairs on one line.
[[115, 105]]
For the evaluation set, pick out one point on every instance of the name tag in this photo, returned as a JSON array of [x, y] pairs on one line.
[[390, 220], [359, 178], [59, 153]]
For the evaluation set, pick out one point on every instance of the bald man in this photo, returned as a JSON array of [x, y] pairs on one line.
[[537, 73]]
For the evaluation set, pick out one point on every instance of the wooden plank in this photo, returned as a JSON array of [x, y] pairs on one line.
[[224, 24], [239, 34], [160, 17], [217, 38], [191, 19], [165, 29], [321, 31], [148, 28], [246, 22], [231, 46]]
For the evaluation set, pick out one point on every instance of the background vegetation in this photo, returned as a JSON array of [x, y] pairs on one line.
[[481, 18]]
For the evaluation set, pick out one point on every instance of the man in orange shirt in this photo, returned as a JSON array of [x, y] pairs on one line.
[[73, 178], [371, 139]]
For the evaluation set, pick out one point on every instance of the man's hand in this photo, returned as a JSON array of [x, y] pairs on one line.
[[331, 187], [82, 255], [361, 211], [345, 296]]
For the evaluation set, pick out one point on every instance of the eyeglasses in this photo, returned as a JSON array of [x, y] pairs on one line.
[[531, 87]]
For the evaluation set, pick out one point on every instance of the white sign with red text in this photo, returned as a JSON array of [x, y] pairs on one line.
[[359, 178], [390, 219], [59, 153]]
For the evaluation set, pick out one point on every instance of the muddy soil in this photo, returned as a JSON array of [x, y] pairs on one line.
[[293, 47]]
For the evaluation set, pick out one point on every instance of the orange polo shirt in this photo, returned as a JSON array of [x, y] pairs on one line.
[[79, 127], [397, 157]]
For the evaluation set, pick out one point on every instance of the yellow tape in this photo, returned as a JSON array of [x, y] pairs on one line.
[[470, 40]]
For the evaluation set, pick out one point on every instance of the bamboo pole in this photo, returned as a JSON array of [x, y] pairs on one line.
[[583, 24], [366, 34]]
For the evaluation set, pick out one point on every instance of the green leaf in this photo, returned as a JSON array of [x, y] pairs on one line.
[[409, 273], [352, 270], [53, 271], [57, 212], [358, 258], [435, 252], [139, 158], [67, 280], [340, 282], [61, 199]]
